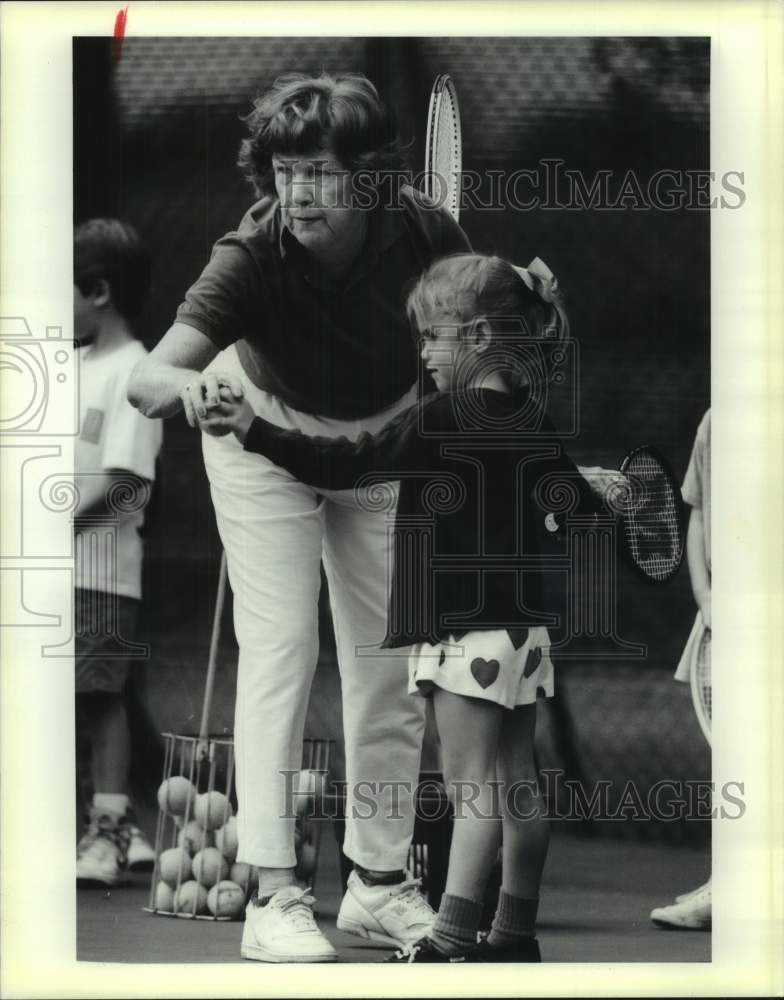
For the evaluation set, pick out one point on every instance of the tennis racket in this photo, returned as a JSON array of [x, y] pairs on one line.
[[648, 500], [701, 689], [443, 146]]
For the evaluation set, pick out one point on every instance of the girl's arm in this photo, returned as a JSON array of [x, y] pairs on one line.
[[698, 565], [337, 463]]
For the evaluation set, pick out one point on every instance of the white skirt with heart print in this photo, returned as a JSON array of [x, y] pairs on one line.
[[485, 664]]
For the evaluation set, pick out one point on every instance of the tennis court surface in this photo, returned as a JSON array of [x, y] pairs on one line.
[[596, 898]]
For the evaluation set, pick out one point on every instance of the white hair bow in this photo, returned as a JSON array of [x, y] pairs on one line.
[[540, 279]]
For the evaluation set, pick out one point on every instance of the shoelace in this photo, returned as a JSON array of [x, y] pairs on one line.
[[415, 899], [408, 952], [104, 828], [298, 909]]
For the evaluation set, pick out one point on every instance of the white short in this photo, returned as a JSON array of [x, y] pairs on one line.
[[485, 665]]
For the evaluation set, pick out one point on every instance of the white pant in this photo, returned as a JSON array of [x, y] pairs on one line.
[[275, 531]]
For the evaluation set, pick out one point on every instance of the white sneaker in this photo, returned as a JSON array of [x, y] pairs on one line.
[[693, 892], [391, 914], [692, 914], [100, 854], [283, 929]]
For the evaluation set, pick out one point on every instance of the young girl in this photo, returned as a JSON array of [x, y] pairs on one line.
[[474, 460]]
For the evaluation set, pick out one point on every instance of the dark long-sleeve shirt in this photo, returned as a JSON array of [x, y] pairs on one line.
[[468, 524]]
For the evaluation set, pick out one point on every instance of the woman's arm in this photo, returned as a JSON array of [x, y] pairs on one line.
[[169, 378]]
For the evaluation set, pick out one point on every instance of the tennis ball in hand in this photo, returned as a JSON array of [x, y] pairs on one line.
[[245, 876], [176, 795], [193, 838], [164, 897], [190, 898], [175, 863], [226, 899], [226, 840], [209, 866], [212, 810]]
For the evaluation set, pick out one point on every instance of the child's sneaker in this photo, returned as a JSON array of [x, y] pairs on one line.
[[424, 950], [693, 914], [141, 856], [526, 950], [101, 854], [390, 914]]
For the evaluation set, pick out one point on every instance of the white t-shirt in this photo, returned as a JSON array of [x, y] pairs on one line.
[[113, 436]]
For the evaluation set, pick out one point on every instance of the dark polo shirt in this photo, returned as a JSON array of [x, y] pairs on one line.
[[338, 350]]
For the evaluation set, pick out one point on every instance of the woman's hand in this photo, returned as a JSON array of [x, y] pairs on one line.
[[201, 395], [231, 414]]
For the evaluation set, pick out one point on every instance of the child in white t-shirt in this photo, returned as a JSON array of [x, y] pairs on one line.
[[115, 455]]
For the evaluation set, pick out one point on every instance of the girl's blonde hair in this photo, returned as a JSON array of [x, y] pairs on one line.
[[464, 287]]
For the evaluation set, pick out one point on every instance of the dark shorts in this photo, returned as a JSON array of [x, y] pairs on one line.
[[103, 625]]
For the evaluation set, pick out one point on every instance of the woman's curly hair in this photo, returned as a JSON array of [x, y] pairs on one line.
[[303, 114]]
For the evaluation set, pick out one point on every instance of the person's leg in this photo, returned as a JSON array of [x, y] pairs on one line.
[[103, 850], [383, 729], [271, 529], [469, 729], [526, 835], [383, 725], [111, 744]]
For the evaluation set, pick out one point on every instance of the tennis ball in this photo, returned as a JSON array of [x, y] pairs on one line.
[[212, 810], [175, 863], [176, 795], [245, 876], [226, 899], [226, 840], [190, 898], [164, 897], [209, 866], [193, 838]]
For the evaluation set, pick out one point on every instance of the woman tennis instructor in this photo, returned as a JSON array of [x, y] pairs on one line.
[[302, 310]]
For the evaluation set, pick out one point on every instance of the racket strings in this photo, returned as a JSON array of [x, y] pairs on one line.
[[652, 522]]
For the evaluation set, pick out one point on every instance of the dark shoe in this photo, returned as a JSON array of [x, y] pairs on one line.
[[526, 951], [423, 950]]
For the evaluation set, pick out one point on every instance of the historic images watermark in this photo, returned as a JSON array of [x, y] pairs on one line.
[[563, 799], [550, 184]]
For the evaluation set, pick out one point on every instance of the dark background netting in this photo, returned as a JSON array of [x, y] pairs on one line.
[[156, 138]]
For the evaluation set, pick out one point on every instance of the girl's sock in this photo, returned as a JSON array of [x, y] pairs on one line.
[[457, 923], [514, 919]]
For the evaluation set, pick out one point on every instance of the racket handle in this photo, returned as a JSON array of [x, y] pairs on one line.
[[209, 684]]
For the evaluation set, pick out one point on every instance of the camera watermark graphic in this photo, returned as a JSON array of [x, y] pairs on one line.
[[40, 376]]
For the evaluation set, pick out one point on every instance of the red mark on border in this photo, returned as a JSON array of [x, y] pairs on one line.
[[119, 33]]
